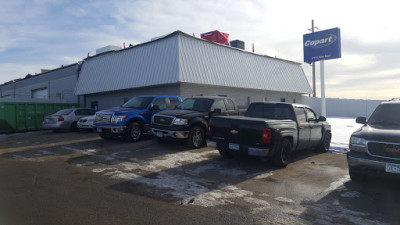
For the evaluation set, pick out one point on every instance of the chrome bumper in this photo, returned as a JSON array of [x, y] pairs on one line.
[[250, 151], [168, 133], [112, 129]]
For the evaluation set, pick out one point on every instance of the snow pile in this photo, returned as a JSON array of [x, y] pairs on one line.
[[342, 128]]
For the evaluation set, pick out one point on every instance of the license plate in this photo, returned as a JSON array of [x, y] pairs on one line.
[[392, 168], [233, 146], [159, 134], [99, 129]]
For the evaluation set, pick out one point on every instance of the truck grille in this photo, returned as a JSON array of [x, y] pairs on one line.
[[103, 118], [384, 149], [163, 120]]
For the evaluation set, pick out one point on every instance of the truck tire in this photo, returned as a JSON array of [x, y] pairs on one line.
[[325, 142], [133, 132], [196, 137], [282, 155]]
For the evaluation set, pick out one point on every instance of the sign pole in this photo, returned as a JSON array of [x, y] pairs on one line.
[[313, 65], [323, 100]]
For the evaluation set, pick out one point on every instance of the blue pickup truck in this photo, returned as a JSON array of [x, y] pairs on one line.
[[132, 119]]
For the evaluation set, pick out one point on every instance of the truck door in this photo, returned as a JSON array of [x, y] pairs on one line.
[[304, 130], [315, 126]]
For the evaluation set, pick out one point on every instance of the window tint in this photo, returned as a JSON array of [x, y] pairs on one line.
[[160, 102], [310, 115], [196, 104], [270, 111], [231, 106], [174, 102], [386, 113], [138, 102], [255, 110], [300, 114], [218, 104]]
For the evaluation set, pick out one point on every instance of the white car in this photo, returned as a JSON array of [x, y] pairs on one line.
[[86, 122]]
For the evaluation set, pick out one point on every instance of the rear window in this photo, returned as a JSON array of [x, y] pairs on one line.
[[270, 111], [64, 112]]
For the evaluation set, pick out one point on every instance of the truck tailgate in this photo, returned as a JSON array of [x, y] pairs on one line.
[[238, 129]]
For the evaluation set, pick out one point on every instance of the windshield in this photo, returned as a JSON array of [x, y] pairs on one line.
[[138, 102], [196, 104], [386, 113]]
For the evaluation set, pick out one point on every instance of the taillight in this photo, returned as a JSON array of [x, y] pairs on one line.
[[209, 129], [266, 136], [60, 118]]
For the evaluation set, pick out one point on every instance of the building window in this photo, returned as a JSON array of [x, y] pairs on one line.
[[6, 96], [40, 93], [283, 100]]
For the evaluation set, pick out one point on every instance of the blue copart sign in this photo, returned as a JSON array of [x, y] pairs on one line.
[[322, 45]]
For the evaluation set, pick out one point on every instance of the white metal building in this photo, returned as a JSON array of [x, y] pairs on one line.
[[180, 64]]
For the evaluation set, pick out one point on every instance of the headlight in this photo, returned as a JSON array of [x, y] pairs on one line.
[[116, 119], [358, 141], [179, 121]]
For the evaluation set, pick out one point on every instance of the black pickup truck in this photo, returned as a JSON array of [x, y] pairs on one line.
[[189, 120], [270, 129]]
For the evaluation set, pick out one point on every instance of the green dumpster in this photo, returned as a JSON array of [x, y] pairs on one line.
[[23, 116]]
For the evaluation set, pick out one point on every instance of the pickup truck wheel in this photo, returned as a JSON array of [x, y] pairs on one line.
[[281, 157], [196, 137], [325, 143], [133, 132]]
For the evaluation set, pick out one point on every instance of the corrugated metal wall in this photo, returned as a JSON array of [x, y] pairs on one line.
[[60, 84], [150, 64], [207, 63]]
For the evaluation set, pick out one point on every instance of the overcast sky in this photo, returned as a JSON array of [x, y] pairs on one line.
[[45, 34]]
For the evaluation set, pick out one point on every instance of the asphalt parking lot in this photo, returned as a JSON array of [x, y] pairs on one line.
[[79, 178]]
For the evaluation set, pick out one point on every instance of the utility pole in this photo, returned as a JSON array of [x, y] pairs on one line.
[[313, 64]]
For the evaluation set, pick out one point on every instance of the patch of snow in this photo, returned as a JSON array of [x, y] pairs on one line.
[[283, 199], [342, 128], [263, 175], [335, 185]]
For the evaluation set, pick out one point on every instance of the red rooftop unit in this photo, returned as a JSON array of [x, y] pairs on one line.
[[216, 36]]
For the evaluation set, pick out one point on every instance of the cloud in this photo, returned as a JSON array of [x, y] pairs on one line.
[[57, 32]]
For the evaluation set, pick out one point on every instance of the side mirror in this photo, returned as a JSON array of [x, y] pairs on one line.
[[361, 119], [322, 118], [155, 107]]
